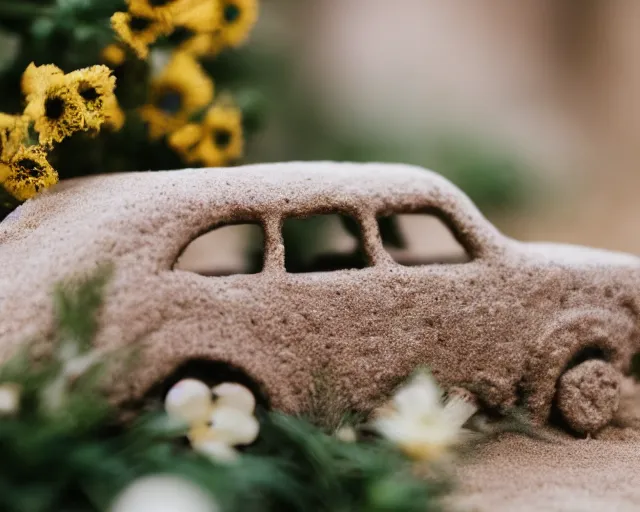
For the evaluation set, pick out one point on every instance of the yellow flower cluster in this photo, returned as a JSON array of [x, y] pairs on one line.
[[200, 27], [217, 141], [183, 90], [58, 105], [179, 92]]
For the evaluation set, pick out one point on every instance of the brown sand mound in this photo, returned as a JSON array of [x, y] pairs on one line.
[[516, 473]]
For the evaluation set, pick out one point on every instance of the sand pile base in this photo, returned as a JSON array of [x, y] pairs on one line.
[[516, 473]]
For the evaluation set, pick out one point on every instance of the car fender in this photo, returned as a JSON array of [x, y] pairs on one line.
[[571, 336], [164, 354]]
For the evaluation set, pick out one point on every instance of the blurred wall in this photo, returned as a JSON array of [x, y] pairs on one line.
[[557, 81]]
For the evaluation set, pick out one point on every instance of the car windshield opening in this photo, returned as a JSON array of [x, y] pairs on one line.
[[225, 250], [323, 243]]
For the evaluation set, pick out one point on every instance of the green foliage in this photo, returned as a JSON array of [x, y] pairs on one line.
[[493, 179], [77, 305], [79, 455], [334, 475]]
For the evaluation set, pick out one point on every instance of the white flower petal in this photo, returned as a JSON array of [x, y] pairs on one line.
[[425, 441], [420, 424], [216, 450], [231, 394], [457, 410], [346, 434], [190, 401], [163, 493], [233, 427], [420, 397], [9, 398]]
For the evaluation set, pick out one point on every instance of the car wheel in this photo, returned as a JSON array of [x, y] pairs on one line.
[[588, 395]]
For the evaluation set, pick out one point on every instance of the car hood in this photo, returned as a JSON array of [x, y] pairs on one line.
[[566, 254]]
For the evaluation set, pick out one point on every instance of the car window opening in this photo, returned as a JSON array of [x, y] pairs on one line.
[[323, 243], [414, 239], [225, 250]]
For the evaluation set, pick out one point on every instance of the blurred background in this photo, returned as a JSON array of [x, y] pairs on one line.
[[532, 107]]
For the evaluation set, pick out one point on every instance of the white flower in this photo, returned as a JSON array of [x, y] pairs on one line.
[[216, 450], [231, 394], [420, 397], [9, 398], [189, 401], [226, 426], [346, 434], [419, 423], [163, 493], [234, 426], [219, 418]]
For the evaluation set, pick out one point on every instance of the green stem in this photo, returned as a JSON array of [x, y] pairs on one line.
[[16, 10]]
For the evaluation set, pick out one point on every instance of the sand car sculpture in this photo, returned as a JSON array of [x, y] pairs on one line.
[[547, 327]]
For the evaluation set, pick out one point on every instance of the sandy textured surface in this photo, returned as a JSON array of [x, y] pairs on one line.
[[516, 473], [505, 325]]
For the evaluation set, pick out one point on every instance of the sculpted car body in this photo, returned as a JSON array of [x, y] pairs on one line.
[[505, 325]]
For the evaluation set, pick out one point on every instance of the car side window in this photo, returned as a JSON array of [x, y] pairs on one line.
[[421, 238], [323, 243], [226, 250]]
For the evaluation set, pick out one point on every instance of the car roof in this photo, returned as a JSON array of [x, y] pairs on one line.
[[290, 186], [157, 207]]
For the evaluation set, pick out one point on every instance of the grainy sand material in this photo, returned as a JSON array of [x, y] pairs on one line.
[[518, 474], [505, 325]]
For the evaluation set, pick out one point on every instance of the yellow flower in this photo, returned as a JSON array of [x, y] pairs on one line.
[[13, 132], [36, 78], [198, 30], [114, 116], [61, 105], [185, 140], [58, 111], [204, 16], [5, 171], [218, 141], [30, 173], [113, 55], [95, 86], [138, 31], [214, 25], [165, 10], [418, 422], [199, 45], [177, 93], [238, 18]]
